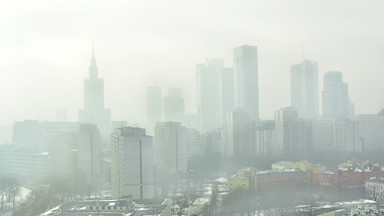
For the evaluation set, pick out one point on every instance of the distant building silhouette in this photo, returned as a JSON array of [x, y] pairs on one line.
[[94, 111], [335, 96], [208, 91], [227, 93], [174, 109], [27, 135], [154, 107], [305, 89], [245, 59], [238, 134], [290, 132]]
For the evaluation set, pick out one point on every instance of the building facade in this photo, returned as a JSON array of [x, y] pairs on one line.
[[374, 189], [131, 163], [335, 96], [335, 135], [305, 89], [208, 90], [290, 132], [246, 74], [170, 147], [89, 153]]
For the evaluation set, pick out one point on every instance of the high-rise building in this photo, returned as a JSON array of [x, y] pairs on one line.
[[89, 153], [154, 107], [290, 132], [208, 101], [238, 134], [335, 135], [170, 149], [227, 93], [335, 96], [174, 109], [245, 59], [305, 89], [131, 163], [94, 111]]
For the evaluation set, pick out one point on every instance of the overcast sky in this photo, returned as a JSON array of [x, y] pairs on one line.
[[45, 47]]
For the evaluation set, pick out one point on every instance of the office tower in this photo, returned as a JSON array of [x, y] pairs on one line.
[[131, 163], [89, 153], [61, 115], [154, 107], [263, 135], [305, 89], [335, 96], [27, 134], [371, 128], [238, 132], [94, 111], [335, 135], [208, 93], [290, 132], [170, 147], [245, 59], [227, 93], [174, 106]]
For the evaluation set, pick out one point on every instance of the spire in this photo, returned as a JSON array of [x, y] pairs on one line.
[[93, 67], [93, 49]]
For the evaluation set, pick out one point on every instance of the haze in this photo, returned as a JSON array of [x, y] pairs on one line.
[[45, 47]]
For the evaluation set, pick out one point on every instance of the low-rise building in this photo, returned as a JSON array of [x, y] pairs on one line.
[[374, 189]]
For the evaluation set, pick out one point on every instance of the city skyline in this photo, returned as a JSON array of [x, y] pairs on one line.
[[37, 76]]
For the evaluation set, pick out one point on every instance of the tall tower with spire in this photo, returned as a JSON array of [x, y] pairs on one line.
[[94, 111]]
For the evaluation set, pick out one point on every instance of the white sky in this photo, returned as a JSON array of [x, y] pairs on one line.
[[45, 48]]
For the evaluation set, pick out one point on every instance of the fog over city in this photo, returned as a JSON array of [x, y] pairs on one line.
[[192, 108], [46, 46]]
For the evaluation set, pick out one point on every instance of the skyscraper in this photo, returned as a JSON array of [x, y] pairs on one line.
[[227, 94], [170, 149], [131, 163], [154, 107], [208, 91], [94, 111], [335, 96], [305, 89], [238, 134], [245, 59]]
